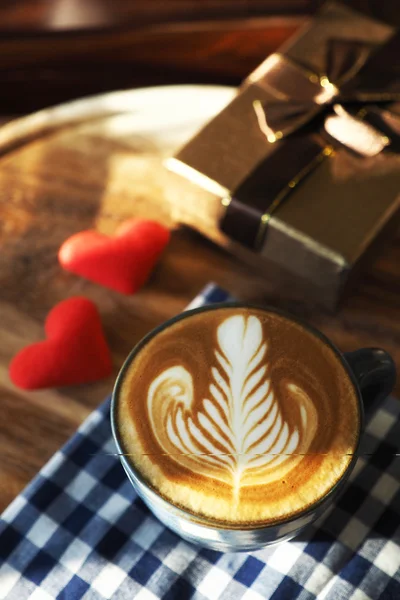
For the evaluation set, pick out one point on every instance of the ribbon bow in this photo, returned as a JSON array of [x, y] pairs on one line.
[[302, 94], [347, 91]]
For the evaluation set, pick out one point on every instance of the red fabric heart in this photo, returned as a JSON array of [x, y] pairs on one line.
[[74, 352], [123, 262]]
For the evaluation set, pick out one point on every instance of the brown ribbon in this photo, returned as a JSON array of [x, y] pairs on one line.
[[309, 115]]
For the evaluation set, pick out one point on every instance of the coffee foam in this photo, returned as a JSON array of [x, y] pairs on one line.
[[238, 415]]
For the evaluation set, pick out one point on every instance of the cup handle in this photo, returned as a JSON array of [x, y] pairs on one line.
[[375, 373]]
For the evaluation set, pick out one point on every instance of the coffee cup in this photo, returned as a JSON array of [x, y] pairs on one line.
[[239, 425]]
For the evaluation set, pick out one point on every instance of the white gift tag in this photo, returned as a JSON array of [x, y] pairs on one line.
[[359, 136]]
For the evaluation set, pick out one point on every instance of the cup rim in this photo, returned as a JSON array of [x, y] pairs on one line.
[[208, 521]]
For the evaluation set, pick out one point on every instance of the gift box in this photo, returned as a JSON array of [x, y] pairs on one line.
[[300, 174]]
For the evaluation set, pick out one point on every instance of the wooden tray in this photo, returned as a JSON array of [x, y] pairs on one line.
[[94, 163]]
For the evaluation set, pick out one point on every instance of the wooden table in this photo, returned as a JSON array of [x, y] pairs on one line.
[[52, 187], [54, 51]]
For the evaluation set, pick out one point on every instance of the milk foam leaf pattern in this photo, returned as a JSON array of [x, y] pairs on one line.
[[239, 431]]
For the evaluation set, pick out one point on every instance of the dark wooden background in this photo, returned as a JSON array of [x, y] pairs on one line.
[[55, 50], [52, 51]]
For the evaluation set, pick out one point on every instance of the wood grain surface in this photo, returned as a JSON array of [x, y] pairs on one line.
[[55, 51], [62, 15], [86, 176]]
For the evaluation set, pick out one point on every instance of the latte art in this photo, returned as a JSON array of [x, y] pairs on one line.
[[239, 431], [238, 415]]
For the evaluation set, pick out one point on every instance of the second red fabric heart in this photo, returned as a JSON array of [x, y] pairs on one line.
[[74, 352], [123, 262]]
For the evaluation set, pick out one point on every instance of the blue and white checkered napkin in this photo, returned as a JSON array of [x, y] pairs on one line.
[[79, 531]]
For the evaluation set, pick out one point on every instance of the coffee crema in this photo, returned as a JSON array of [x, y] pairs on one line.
[[239, 415]]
